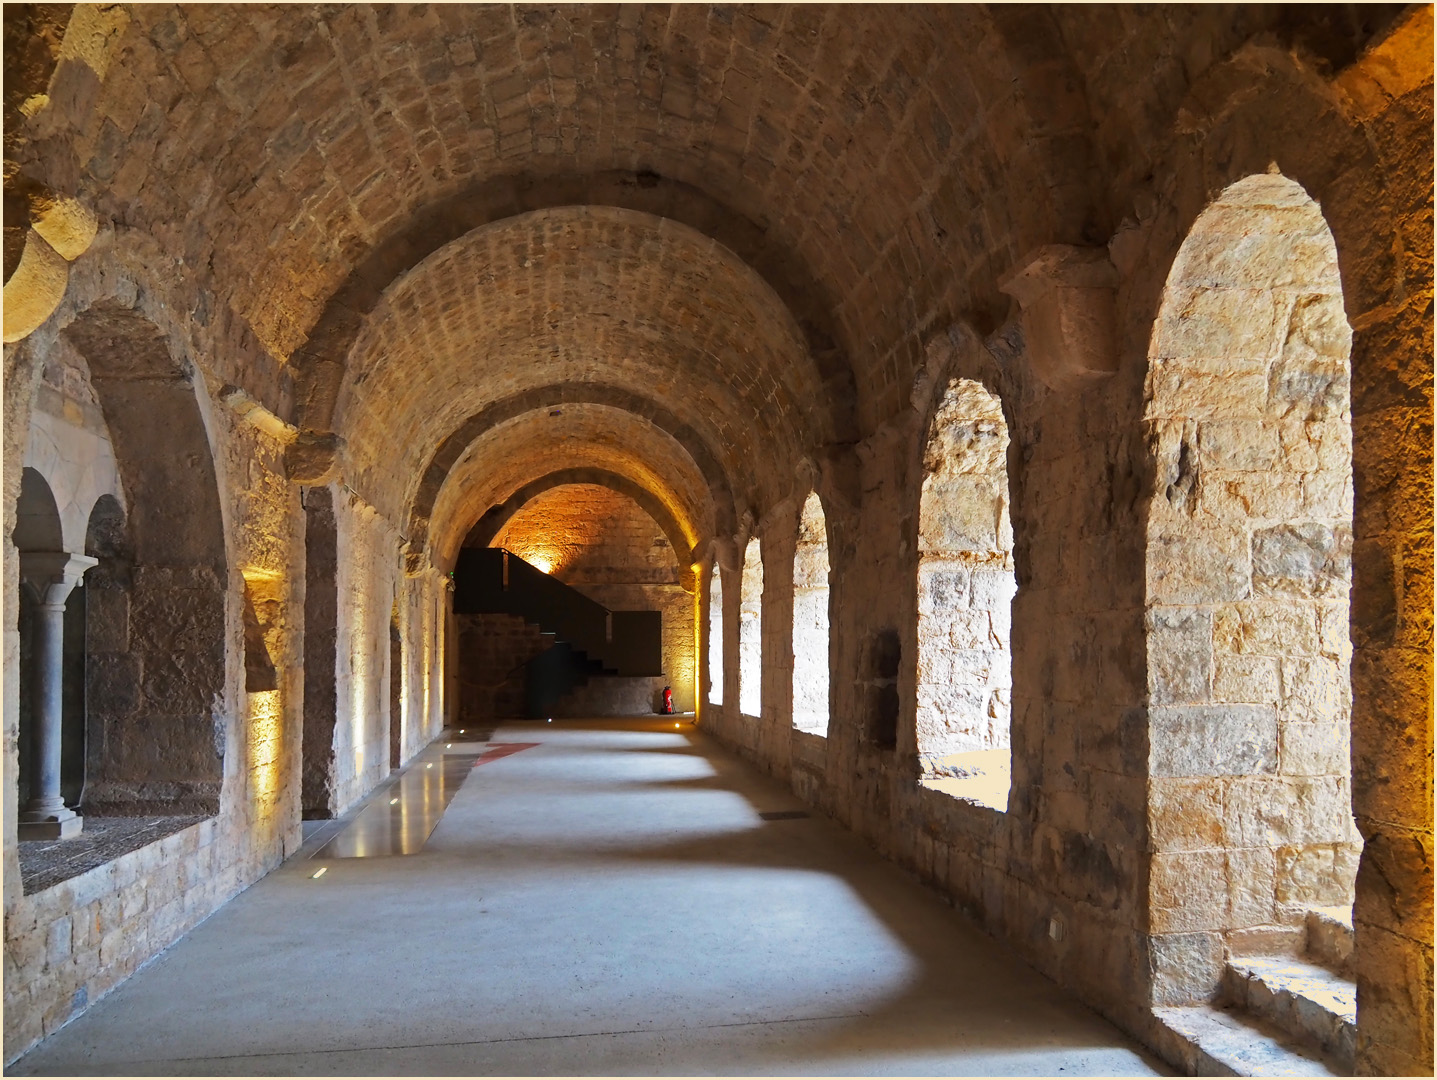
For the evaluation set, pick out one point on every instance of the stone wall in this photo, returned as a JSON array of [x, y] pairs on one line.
[[72, 942]]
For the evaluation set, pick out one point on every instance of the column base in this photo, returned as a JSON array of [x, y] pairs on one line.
[[50, 830]]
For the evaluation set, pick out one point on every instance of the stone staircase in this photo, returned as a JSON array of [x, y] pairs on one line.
[[1275, 1015]]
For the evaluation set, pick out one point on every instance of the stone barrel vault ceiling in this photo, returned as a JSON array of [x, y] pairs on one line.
[[393, 202]]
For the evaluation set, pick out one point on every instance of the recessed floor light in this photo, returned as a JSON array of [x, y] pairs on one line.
[[393, 801], [319, 873]]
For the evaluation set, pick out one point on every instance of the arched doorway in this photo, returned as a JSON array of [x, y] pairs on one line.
[[1248, 581]]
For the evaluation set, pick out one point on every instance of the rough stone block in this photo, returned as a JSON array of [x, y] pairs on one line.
[[1239, 446], [1185, 814], [1186, 968], [1179, 655], [1251, 680], [1320, 875], [1288, 810], [1304, 560], [1212, 740], [1266, 628], [1315, 690], [1394, 1001], [1188, 890], [1252, 886], [1314, 749], [1216, 324], [1396, 881], [58, 941], [1199, 566]]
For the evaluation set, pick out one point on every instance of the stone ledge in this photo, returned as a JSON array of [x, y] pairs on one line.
[[46, 863], [1207, 1041]]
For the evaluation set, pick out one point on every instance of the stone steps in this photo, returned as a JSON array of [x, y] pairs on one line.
[[1329, 938], [1208, 1040], [1309, 1002]]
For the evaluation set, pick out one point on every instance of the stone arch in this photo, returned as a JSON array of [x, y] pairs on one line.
[[750, 631], [539, 442], [453, 446], [662, 309], [966, 585], [37, 518], [811, 634], [158, 730], [320, 362], [492, 523], [1248, 573]]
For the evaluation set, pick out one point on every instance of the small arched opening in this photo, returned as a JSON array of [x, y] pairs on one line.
[[966, 586], [715, 635], [37, 536], [750, 632], [810, 620]]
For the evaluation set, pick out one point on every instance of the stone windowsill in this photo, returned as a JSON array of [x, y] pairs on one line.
[[46, 863]]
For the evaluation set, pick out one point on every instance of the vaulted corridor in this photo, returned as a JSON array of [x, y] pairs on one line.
[[1006, 429], [618, 898]]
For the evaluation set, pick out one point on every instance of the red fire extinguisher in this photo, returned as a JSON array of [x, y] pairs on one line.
[[668, 701]]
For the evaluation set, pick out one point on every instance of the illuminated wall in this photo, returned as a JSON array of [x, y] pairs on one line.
[[367, 572], [607, 547]]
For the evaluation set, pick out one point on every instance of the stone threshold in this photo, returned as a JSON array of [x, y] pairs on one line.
[[46, 863]]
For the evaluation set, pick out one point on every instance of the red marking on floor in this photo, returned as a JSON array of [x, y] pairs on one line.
[[502, 749]]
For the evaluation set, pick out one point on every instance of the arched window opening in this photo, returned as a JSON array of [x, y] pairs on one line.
[[264, 713], [965, 596], [750, 632], [37, 537], [810, 620], [1249, 574], [715, 636], [156, 728]]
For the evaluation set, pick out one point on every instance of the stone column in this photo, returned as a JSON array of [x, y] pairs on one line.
[[52, 574]]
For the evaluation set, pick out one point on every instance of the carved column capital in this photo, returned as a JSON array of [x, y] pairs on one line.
[[52, 574]]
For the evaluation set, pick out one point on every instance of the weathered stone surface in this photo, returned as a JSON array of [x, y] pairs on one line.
[[1307, 560], [1180, 655], [1213, 740]]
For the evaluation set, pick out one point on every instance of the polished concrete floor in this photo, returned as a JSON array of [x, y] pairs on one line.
[[615, 898]]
